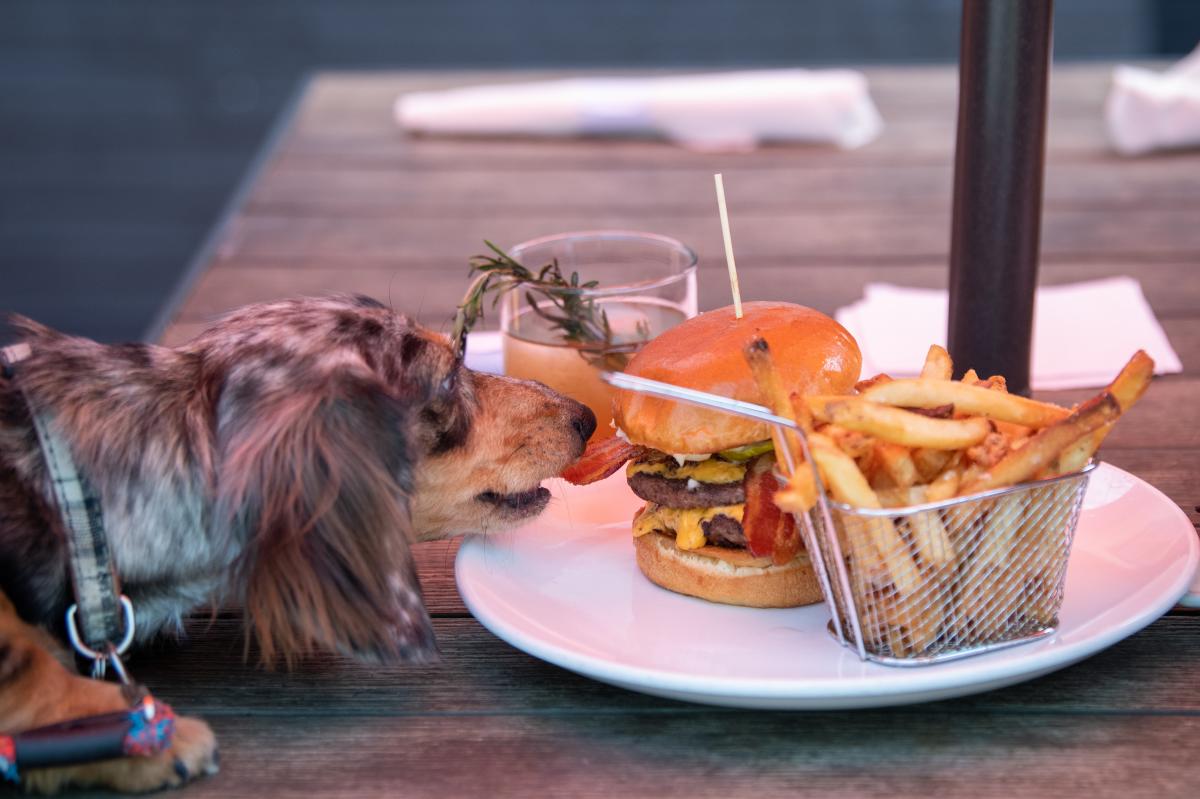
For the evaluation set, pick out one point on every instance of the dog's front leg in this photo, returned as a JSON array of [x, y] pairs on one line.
[[36, 690]]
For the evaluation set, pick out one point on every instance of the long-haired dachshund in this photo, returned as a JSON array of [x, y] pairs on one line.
[[282, 461]]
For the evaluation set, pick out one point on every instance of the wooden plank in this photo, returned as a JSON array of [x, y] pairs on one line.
[[428, 290], [480, 674], [435, 566], [715, 754], [1171, 471], [297, 187], [827, 235]]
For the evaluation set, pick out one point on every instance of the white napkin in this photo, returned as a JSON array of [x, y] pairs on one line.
[[716, 112], [1149, 110], [895, 325]]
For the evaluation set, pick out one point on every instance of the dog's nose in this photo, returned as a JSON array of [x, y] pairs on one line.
[[584, 422]]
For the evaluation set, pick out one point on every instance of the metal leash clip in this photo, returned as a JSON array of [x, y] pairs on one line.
[[111, 652]]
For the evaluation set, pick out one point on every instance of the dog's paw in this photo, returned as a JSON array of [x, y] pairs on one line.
[[192, 755]]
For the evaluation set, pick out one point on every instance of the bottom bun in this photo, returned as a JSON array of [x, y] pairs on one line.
[[719, 579]]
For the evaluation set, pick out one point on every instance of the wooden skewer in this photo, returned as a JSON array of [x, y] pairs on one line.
[[733, 277]]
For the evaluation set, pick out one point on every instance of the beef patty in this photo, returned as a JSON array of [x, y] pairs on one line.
[[676, 494], [723, 531]]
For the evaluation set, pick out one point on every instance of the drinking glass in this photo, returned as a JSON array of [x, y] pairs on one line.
[[645, 284]]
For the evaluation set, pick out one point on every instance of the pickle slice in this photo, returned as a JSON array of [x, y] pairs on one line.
[[746, 451]]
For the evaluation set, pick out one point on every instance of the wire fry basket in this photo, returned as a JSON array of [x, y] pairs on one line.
[[936, 582], [928, 583]]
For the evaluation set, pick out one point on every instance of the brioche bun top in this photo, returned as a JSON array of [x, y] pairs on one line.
[[813, 353]]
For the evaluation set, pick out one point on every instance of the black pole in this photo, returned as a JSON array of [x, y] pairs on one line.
[[1003, 67]]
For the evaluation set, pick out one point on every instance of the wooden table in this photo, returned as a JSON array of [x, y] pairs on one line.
[[343, 202]]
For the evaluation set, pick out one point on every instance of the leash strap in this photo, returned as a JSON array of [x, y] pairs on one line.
[[145, 729], [98, 602], [102, 613]]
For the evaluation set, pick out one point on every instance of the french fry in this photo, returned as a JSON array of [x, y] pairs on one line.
[[938, 365], [916, 619], [987, 453], [898, 426], [987, 593], [855, 444], [1021, 464], [800, 494], [971, 400], [841, 475], [970, 377], [913, 625], [848, 485], [961, 519], [863, 385], [1126, 389], [944, 486], [878, 476], [928, 533], [930, 462], [802, 491], [896, 497], [897, 462], [758, 356], [930, 538], [1015, 432], [933, 539], [1133, 380], [802, 484], [1042, 540], [994, 383], [801, 413], [1078, 453]]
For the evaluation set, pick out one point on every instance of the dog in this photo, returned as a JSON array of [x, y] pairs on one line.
[[283, 461]]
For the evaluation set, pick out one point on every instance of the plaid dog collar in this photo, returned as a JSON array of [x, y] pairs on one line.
[[100, 624]]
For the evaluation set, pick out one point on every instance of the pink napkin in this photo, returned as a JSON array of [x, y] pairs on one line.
[[895, 325]]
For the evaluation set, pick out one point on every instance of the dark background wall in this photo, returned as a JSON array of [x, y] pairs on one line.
[[125, 124]]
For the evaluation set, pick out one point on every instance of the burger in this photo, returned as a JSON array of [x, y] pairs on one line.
[[710, 528]]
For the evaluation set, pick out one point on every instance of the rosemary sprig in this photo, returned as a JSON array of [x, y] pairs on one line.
[[559, 299]]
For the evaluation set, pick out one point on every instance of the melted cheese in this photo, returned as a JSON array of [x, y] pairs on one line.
[[684, 522], [711, 470]]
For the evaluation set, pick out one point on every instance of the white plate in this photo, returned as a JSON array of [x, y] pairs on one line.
[[566, 589]]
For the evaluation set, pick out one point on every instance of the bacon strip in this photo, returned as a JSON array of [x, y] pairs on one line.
[[769, 531], [601, 459]]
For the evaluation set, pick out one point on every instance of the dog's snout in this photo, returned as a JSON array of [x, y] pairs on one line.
[[584, 422]]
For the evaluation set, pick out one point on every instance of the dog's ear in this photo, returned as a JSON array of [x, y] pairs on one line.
[[314, 478], [25, 328]]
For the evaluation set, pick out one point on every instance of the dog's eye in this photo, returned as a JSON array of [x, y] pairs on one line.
[[450, 428]]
